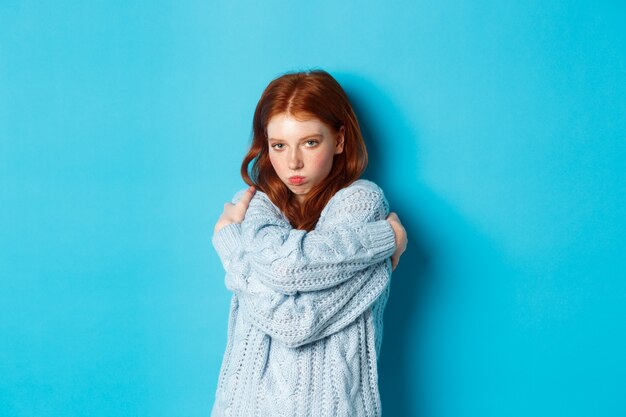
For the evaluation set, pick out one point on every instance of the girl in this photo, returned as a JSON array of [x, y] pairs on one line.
[[308, 251]]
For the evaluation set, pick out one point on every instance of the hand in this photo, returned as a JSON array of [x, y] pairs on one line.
[[234, 213], [401, 239]]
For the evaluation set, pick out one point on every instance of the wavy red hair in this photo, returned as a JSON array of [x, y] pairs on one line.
[[305, 95]]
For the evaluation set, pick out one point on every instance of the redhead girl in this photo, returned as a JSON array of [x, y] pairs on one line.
[[308, 250]]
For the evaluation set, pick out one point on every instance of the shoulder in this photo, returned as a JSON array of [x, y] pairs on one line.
[[364, 185], [260, 204], [362, 199], [361, 190], [258, 197]]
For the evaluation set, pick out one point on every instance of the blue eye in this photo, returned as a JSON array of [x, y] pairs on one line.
[[312, 141], [275, 146]]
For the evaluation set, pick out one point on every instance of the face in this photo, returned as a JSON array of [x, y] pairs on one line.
[[301, 151]]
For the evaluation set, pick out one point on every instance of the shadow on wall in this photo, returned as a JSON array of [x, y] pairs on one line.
[[380, 122]]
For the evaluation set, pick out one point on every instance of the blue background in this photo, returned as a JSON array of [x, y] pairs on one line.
[[496, 129]]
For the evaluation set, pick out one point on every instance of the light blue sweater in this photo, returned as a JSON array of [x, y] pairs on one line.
[[305, 326]]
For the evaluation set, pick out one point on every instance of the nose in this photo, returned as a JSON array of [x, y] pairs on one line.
[[295, 159]]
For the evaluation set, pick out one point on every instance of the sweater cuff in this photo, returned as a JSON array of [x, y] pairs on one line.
[[380, 239], [226, 240]]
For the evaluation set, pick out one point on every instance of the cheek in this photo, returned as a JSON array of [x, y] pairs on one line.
[[322, 162], [275, 162]]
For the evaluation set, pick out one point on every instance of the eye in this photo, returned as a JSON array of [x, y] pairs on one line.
[[311, 143], [277, 146]]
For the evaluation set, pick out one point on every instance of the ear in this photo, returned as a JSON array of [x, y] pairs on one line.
[[340, 140]]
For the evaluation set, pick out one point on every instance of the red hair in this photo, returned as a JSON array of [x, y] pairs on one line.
[[304, 95]]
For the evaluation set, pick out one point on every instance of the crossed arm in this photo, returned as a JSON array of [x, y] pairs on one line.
[[352, 237], [306, 285]]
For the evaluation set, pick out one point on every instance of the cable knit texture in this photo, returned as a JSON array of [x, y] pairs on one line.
[[305, 326]]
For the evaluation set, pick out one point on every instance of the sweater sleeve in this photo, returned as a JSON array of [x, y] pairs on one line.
[[304, 317], [352, 236], [300, 317], [316, 305]]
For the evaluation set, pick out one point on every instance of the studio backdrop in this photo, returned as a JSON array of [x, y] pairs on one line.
[[497, 131]]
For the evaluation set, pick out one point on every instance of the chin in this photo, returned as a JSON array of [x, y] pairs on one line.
[[298, 191]]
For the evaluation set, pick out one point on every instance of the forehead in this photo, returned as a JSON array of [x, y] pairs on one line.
[[287, 127]]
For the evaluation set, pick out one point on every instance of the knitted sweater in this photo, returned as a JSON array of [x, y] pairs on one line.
[[305, 326]]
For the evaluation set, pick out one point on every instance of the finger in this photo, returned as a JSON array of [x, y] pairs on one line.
[[247, 196]]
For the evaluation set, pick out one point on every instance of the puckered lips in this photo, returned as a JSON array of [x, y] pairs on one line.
[[296, 180]]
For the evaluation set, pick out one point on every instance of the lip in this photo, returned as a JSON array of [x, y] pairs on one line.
[[296, 180]]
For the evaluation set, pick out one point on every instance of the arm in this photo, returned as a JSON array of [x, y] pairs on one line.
[[351, 236], [297, 318], [302, 318], [228, 245]]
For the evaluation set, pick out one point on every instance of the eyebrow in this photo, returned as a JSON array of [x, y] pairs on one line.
[[302, 138]]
